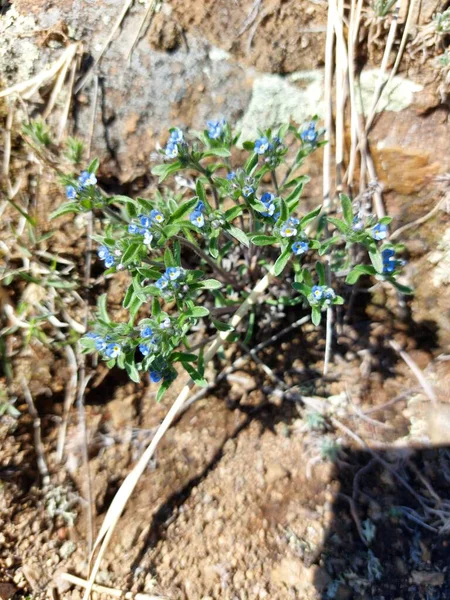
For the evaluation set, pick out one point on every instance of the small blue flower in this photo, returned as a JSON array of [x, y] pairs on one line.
[[155, 376], [197, 218], [200, 206], [176, 135], [289, 229], [148, 236], [299, 248], [317, 292], [87, 178], [71, 192], [103, 252], [113, 350], [171, 150], [216, 128], [162, 283], [165, 324], [100, 344], [379, 231], [132, 228], [147, 332], [156, 216], [93, 336], [267, 198], [144, 349], [389, 262], [173, 273], [109, 261], [358, 224], [262, 145], [144, 221], [310, 133], [328, 293], [231, 175], [247, 191]]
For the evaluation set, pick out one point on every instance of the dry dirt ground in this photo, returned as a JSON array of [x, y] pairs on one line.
[[250, 495]]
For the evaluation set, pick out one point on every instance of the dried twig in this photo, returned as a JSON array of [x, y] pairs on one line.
[[416, 371], [69, 399], [40, 457], [101, 589]]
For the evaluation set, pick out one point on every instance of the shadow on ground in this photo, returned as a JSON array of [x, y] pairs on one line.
[[387, 537]]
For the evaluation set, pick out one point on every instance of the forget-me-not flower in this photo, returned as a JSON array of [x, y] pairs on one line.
[[155, 376], [299, 248], [262, 145], [379, 231], [310, 133], [216, 128], [71, 192], [156, 216], [113, 350], [86, 179]]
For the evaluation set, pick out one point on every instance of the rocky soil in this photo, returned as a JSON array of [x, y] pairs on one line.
[[250, 496]]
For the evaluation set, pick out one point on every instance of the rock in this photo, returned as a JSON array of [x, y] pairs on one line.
[[275, 472], [427, 577], [7, 591]]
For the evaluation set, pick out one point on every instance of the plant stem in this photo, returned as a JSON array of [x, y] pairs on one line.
[[275, 182], [211, 262]]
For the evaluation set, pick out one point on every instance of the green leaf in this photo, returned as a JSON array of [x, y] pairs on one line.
[[156, 307], [347, 209], [403, 289], [233, 212], [282, 261], [385, 220], [210, 284], [358, 271], [170, 230], [302, 288], [195, 375], [184, 209], [134, 307], [316, 315], [238, 234], [263, 240], [222, 326], [128, 297], [199, 188], [183, 357], [197, 312], [292, 199], [101, 307], [163, 171], [338, 300], [162, 390], [249, 146], [213, 247], [130, 367], [320, 273], [309, 217], [284, 211], [376, 258], [251, 163], [148, 273], [340, 225], [94, 165], [131, 252], [64, 209], [217, 152], [169, 260]]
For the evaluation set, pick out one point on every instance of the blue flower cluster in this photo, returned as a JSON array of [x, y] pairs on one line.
[[197, 217], [389, 262], [216, 129], [145, 222], [262, 145], [323, 294], [106, 256], [170, 281], [379, 231], [176, 138], [309, 135], [110, 350], [85, 180]]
